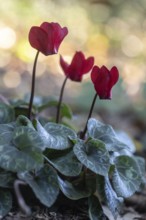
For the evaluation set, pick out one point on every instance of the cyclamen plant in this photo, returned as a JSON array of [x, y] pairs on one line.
[[50, 157]]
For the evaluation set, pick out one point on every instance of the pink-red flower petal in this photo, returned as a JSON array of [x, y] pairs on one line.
[[103, 80], [78, 67], [64, 65], [47, 38], [88, 64]]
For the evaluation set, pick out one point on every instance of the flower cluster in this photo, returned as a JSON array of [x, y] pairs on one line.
[[47, 39]]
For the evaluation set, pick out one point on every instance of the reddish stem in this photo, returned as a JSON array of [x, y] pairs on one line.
[[82, 135], [60, 100], [32, 86]]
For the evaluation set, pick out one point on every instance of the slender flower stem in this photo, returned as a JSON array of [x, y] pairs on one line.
[[89, 116], [60, 100], [32, 86]]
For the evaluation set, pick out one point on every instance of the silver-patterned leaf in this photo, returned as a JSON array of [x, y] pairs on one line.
[[108, 195], [15, 160], [6, 113], [27, 139], [67, 164], [44, 184], [56, 136], [126, 177], [93, 155], [95, 209], [6, 133], [97, 129], [73, 191], [106, 133]]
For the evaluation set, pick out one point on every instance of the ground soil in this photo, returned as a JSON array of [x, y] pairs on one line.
[[134, 209]]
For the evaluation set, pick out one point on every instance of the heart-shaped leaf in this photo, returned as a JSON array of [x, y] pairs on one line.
[[67, 164], [56, 136], [108, 195], [6, 133], [106, 134], [27, 139], [5, 202], [126, 177], [44, 184], [125, 138], [15, 160], [73, 191], [93, 155], [97, 129], [6, 113], [95, 209]]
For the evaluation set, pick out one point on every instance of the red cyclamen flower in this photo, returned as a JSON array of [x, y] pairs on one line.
[[47, 38], [103, 80], [78, 67]]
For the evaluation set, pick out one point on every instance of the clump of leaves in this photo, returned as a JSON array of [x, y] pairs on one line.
[[50, 157]]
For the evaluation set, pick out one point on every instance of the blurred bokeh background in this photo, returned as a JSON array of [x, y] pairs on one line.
[[113, 31]]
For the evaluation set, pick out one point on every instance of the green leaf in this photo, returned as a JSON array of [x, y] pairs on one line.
[[105, 133], [6, 133], [27, 139], [65, 110], [73, 191], [6, 113], [108, 195], [56, 136], [21, 107], [44, 184], [93, 155], [97, 129], [6, 179], [5, 202], [95, 209], [141, 164], [24, 121], [125, 138], [126, 177], [67, 164], [15, 160]]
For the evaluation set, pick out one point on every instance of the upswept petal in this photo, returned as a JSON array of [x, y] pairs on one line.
[[49, 42], [88, 64], [77, 62], [79, 66], [38, 38], [94, 73], [64, 65], [114, 75], [47, 27], [58, 34], [104, 80]]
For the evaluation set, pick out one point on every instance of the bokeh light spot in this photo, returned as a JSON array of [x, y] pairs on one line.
[[132, 46], [12, 79], [7, 37]]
